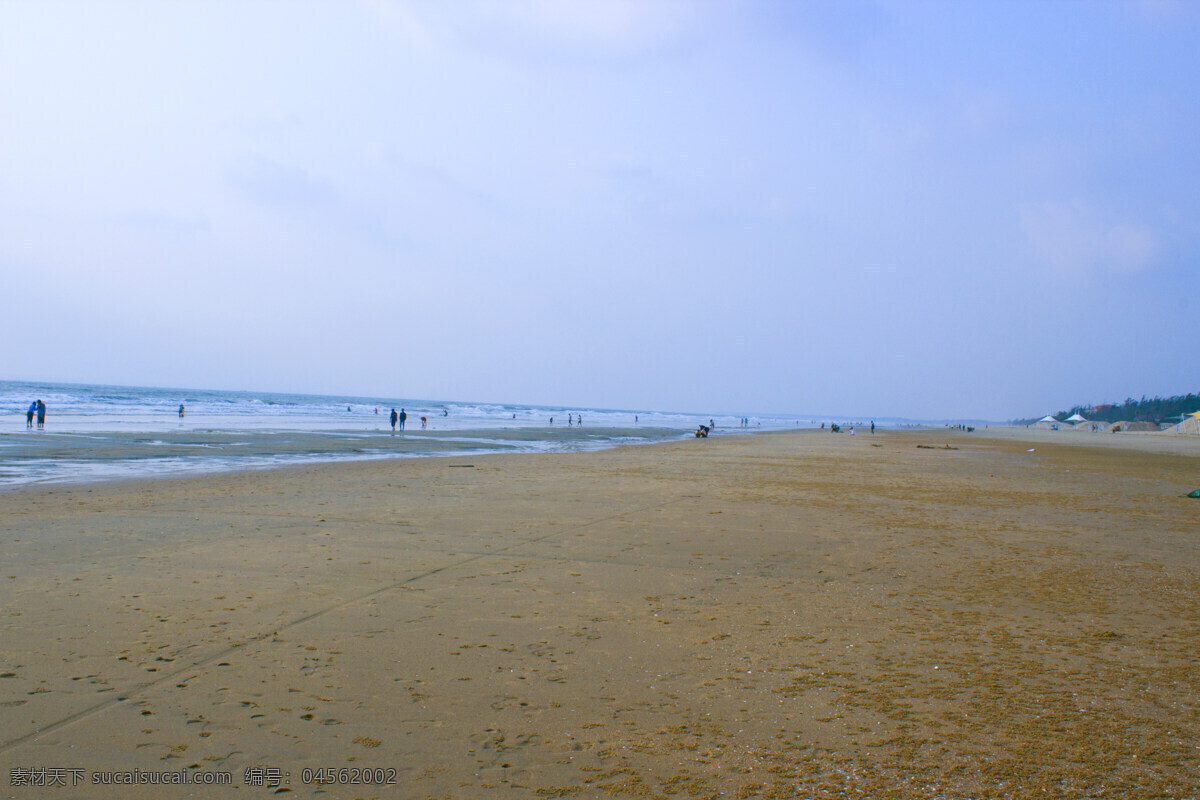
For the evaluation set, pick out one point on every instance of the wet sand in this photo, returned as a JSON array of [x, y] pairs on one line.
[[75, 457], [785, 615]]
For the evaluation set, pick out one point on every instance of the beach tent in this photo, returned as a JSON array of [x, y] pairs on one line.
[[1046, 422], [1076, 419], [1190, 424]]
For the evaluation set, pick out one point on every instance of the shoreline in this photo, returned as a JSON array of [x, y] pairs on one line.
[[788, 614], [298, 448], [63, 459]]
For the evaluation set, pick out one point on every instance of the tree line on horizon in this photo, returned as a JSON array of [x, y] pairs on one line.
[[1153, 409]]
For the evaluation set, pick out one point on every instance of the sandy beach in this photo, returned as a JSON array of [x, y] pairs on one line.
[[916, 614]]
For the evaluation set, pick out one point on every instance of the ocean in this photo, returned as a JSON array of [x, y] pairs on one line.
[[95, 432]]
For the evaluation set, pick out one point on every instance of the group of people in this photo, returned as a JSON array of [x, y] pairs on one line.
[[572, 420], [402, 418], [838, 429], [36, 408]]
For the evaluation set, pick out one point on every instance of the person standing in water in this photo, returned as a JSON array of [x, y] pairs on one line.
[[41, 415], [394, 418], [29, 414], [403, 417], [181, 410]]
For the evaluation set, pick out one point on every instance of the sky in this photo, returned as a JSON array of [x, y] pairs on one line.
[[983, 210]]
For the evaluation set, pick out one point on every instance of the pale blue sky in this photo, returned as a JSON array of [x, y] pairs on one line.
[[861, 208]]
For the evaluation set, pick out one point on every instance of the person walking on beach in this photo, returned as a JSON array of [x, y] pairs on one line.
[[394, 418], [403, 417], [41, 414], [29, 414]]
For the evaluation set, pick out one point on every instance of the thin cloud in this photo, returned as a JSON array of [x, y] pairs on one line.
[[272, 184], [533, 30], [1077, 239]]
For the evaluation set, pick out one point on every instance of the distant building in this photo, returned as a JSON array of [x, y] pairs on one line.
[[1136, 426]]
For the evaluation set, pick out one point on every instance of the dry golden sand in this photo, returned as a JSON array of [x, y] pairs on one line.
[[786, 615]]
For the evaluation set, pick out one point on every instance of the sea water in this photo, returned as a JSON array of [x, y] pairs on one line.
[[95, 432]]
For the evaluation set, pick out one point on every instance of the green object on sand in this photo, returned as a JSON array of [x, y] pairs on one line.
[[1194, 494]]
